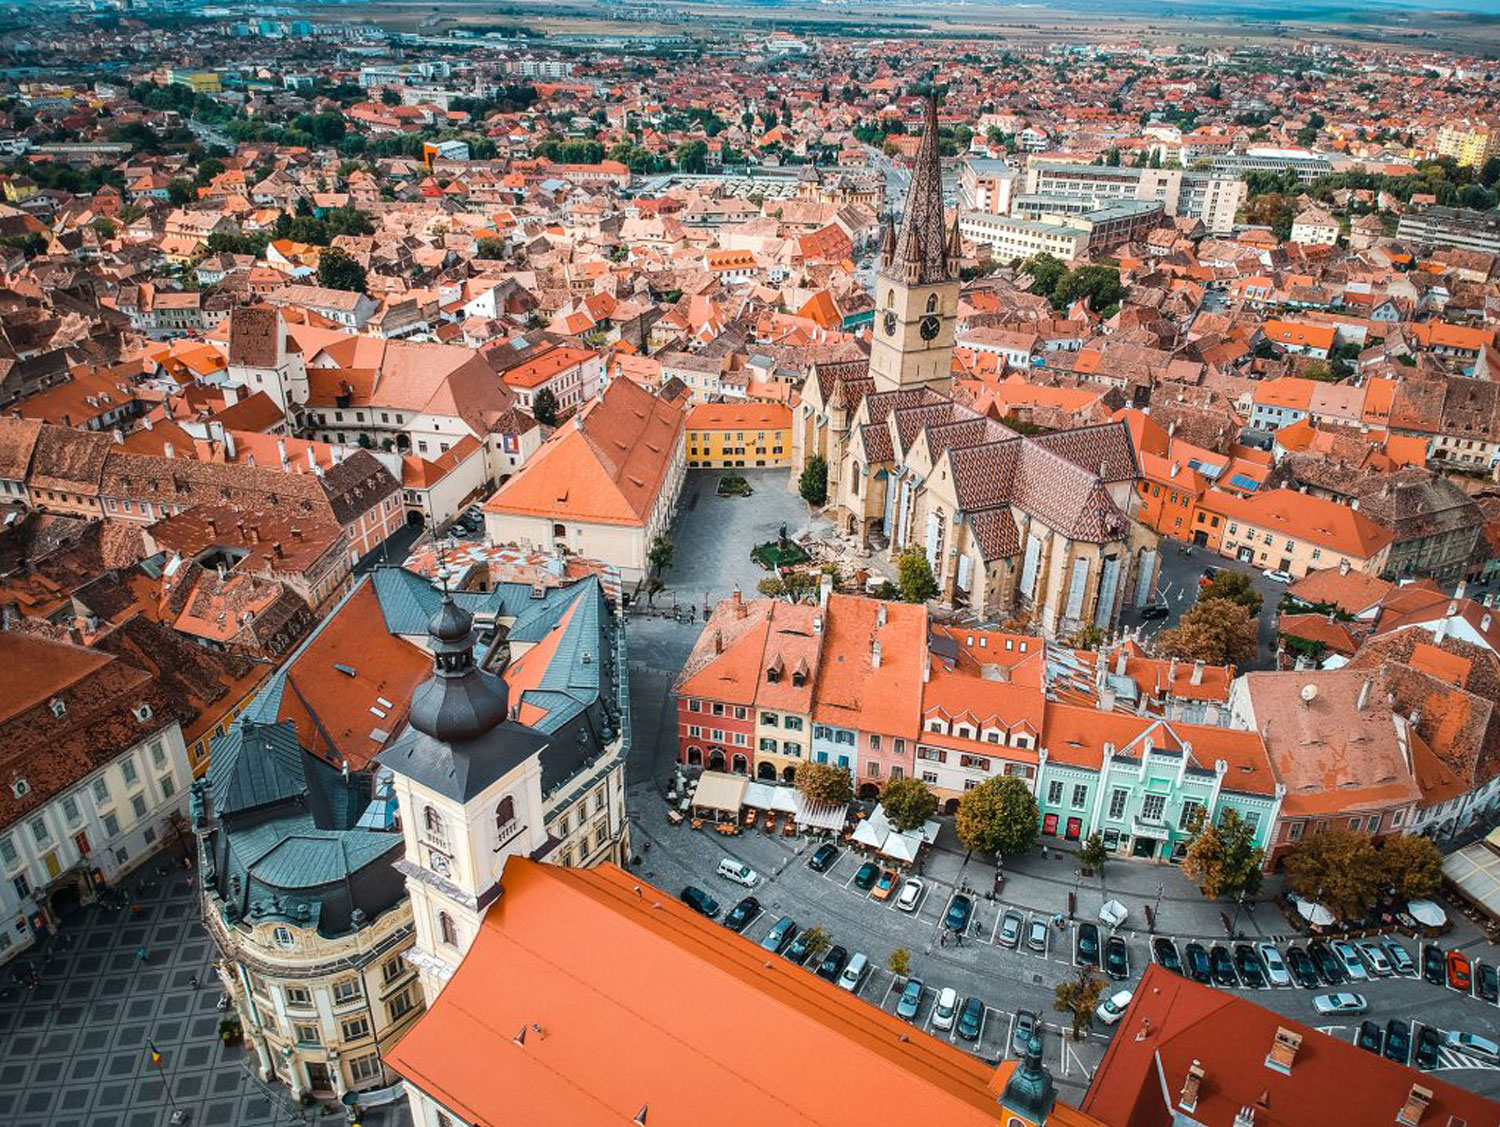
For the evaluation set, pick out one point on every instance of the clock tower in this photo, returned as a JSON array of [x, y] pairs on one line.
[[1029, 1094], [916, 289]]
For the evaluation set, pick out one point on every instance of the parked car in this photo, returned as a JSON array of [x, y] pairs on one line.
[[1112, 1009], [1279, 576], [1348, 958], [1340, 1003], [1088, 945], [742, 913], [1276, 972], [782, 932], [700, 901], [833, 963], [1154, 610], [971, 1019], [1375, 957], [1330, 970], [911, 1000], [1009, 934], [1195, 958], [1247, 962], [1028, 1025], [1397, 1040], [1036, 934], [911, 894], [1300, 963], [1116, 958], [732, 870], [865, 878], [1485, 984], [1208, 575], [853, 974], [945, 1009], [1222, 966], [959, 910], [1401, 960], [823, 858], [1474, 1045], [1166, 954], [1460, 972], [1369, 1037], [885, 885], [798, 950], [1425, 1055], [1433, 969]]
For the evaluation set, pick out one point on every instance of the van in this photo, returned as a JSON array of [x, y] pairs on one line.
[[854, 973], [731, 869]]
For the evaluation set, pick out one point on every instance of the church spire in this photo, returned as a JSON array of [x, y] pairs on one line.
[[922, 247]]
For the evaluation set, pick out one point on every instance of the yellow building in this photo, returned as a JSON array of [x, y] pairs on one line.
[[1470, 143], [198, 81], [724, 435]]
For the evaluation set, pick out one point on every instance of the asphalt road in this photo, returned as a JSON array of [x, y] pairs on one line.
[[1177, 588]]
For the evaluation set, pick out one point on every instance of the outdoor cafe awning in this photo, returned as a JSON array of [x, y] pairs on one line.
[[818, 815], [868, 834], [1475, 871], [765, 796], [720, 791], [903, 847]]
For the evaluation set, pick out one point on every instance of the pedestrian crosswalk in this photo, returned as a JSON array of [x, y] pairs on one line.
[[1452, 1058]]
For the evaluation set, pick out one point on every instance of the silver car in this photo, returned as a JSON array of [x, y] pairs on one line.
[[1010, 929], [1276, 972], [1036, 934]]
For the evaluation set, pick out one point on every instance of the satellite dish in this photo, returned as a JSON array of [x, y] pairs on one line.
[[1309, 693]]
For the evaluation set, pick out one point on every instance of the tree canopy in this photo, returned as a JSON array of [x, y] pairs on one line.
[[999, 817], [1216, 632], [825, 782], [908, 803], [1224, 859]]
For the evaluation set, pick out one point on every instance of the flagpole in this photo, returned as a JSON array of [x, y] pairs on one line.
[[155, 1057]]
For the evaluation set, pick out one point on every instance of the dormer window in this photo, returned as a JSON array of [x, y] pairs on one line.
[[59, 706], [19, 787], [141, 712], [775, 670], [799, 678]]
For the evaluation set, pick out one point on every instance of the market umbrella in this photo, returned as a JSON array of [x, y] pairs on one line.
[[1314, 913], [1427, 913]]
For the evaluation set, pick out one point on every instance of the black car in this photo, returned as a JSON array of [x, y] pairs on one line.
[[1166, 954], [1196, 960], [1330, 970], [1434, 968], [823, 858], [1154, 610], [782, 932], [864, 880], [1300, 963], [700, 901], [797, 950], [742, 913], [1088, 945], [1222, 966], [1397, 1040], [833, 963], [1369, 1038], [1485, 984], [1426, 1055], [959, 911], [971, 1019], [1116, 958], [1247, 962]]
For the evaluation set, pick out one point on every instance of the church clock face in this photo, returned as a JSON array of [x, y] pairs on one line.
[[929, 327], [890, 322], [439, 863]]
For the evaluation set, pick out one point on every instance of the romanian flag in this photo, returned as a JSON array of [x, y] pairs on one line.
[[155, 1054]]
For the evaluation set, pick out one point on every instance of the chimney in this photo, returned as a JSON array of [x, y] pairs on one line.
[[1106, 699], [825, 590], [1484, 624], [145, 421], [1343, 567], [312, 459], [1173, 471], [1415, 1107], [1197, 677], [252, 533], [740, 609], [168, 450], [1283, 1050], [229, 448], [817, 624], [281, 451], [1120, 662], [1364, 694], [875, 653], [926, 667], [250, 457], [1245, 1117], [213, 526], [1188, 1100], [1172, 671], [276, 547], [297, 533], [718, 642], [119, 436], [1461, 589], [880, 614]]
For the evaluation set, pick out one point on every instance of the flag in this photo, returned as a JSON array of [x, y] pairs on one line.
[[155, 1055]]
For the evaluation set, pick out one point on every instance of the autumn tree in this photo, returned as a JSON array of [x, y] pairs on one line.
[[1078, 997], [1216, 632], [1337, 867], [816, 940], [1224, 859], [1412, 865], [914, 576], [900, 962], [999, 816], [907, 803], [825, 782], [1234, 586]]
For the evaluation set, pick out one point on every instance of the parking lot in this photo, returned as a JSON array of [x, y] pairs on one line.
[[1177, 590]]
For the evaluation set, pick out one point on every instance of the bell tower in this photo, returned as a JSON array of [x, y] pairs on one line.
[[468, 783], [1029, 1094], [916, 289]]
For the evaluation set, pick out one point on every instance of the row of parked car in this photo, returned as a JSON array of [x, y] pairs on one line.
[[1395, 1042]]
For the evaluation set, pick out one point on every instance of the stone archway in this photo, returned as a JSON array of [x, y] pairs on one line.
[[765, 770], [789, 774], [868, 791], [716, 760], [741, 765], [695, 757]]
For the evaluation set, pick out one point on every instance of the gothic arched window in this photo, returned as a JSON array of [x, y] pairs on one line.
[[932, 303], [505, 813], [432, 822], [446, 930]]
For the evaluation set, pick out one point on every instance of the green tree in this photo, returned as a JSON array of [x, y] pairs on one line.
[[1216, 632], [1234, 586], [390, 97], [1046, 271], [813, 483], [338, 271], [544, 407], [914, 576], [1100, 285], [208, 168], [998, 817], [491, 248], [1092, 853], [1224, 858], [1078, 997], [660, 555], [1337, 867], [907, 803], [1412, 866], [817, 941], [825, 782], [692, 156], [899, 962], [180, 191]]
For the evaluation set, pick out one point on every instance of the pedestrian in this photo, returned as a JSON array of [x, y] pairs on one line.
[[942, 939], [193, 981], [142, 954]]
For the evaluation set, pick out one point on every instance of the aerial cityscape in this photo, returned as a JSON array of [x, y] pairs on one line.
[[665, 562]]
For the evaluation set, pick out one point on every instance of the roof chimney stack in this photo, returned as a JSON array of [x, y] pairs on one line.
[[825, 590], [1415, 1107], [229, 447], [1197, 677], [1364, 694], [875, 653], [880, 614], [312, 458], [1188, 1100], [1343, 567], [168, 450], [740, 609], [1283, 1050]]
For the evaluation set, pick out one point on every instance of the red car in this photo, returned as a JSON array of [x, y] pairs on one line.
[[1460, 972]]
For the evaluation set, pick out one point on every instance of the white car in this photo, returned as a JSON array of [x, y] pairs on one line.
[[1112, 1009], [1349, 957], [911, 894], [945, 1009], [1376, 957], [733, 870], [1276, 972], [1279, 576], [1339, 1003], [1472, 1044]]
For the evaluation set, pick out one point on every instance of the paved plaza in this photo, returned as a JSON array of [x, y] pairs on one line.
[[73, 1048]]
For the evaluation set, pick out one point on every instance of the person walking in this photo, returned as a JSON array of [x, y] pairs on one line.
[[142, 954]]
